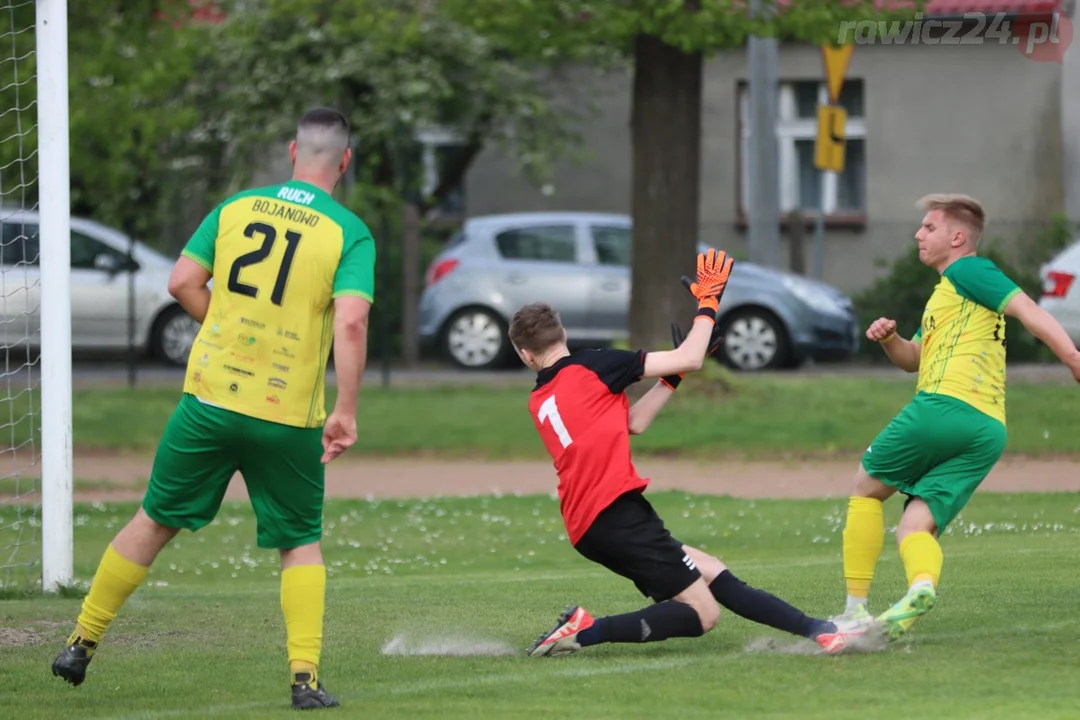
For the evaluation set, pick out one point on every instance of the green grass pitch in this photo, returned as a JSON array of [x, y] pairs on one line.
[[204, 637]]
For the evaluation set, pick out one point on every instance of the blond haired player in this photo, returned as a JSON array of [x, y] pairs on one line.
[[294, 271], [942, 445]]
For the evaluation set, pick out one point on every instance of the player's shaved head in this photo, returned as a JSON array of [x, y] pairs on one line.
[[322, 135], [962, 210], [321, 150]]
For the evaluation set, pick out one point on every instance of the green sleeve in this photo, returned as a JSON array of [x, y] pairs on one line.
[[200, 247], [917, 337], [355, 274], [980, 280]]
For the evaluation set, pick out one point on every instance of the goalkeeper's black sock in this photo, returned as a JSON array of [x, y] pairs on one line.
[[765, 608], [652, 624]]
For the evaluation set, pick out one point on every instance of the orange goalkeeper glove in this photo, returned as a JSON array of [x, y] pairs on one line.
[[713, 271]]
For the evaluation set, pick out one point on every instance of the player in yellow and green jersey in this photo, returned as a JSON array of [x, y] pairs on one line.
[[942, 445], [293, 273]]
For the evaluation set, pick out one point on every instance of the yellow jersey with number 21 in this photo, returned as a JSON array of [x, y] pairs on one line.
[[963, 335], [279, 256]]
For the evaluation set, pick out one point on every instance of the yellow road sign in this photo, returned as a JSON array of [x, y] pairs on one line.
[[836, 65], [829, 148]]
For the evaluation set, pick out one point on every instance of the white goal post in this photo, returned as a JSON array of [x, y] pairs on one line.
[[54, 188], [36, 469]]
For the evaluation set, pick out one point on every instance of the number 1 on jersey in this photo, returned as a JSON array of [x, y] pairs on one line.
[[550, 411]]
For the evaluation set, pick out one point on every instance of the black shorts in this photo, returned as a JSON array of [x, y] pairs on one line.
[[629, 539]]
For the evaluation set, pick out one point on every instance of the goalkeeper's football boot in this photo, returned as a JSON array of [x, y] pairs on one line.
[[308, 693], [562, 639], [71, 663], [849, 626], [898, 619]]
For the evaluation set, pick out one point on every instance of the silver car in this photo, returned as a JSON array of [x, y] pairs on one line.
[[580, 263], [99, 291]]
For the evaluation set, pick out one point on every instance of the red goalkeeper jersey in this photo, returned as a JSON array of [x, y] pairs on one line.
[[582, 414]]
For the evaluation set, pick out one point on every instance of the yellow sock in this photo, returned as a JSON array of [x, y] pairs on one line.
[[864, 538], [922, 558], [303, 601], [116, 578]]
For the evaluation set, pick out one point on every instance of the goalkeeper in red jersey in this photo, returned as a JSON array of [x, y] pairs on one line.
[[581, 411]]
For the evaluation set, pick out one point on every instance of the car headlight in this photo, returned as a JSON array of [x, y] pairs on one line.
[[814, 296]]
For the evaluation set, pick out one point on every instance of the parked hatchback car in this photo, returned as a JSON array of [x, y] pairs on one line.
[[99, 291], [580, 263], [1060, 295]]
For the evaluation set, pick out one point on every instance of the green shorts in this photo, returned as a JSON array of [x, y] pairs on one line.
[[204, 446], [938, 449]]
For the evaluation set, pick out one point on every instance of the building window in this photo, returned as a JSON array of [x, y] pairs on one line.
[[802, 185]]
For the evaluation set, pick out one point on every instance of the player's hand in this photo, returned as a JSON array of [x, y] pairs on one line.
[[881, 329], [713, 271], [339, 434]]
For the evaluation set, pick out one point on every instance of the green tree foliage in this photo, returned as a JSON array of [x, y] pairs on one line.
[[169, 111], [395, 67], [134, 109]]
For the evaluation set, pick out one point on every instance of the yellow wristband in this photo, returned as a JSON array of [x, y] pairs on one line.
[[887, 339]]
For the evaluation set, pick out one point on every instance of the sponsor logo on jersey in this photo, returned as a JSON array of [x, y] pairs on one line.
[[245, 339], [205, 359], [296, 195], [239, 371], [234, 387], [209, 344], [280, 367], [284, 352], [287, 334], [277, 383], [241, 357], [253, 323], [273, 399]]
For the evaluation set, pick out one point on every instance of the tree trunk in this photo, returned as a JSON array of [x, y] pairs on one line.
[[666, 133]]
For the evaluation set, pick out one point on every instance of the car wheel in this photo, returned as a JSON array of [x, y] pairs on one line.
[[475, 339], [754, 339], [173, 335]]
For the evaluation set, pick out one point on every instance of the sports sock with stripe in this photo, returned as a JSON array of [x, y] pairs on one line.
[[864, 539], [652, 624]]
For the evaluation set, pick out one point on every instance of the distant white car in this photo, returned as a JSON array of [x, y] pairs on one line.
[[1061, 291], [99, 291]]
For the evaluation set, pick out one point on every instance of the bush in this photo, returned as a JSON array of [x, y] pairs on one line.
[[902, 294]]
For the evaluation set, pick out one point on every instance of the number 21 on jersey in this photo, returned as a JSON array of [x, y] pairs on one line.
[[549, 412]]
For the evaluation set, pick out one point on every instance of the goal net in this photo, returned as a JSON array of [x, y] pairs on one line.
[[35, 481]]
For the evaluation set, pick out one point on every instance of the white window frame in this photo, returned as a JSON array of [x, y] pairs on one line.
[[789, 128]]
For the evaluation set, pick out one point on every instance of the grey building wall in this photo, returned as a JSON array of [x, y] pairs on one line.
[[1070, 121], [980, 119]]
